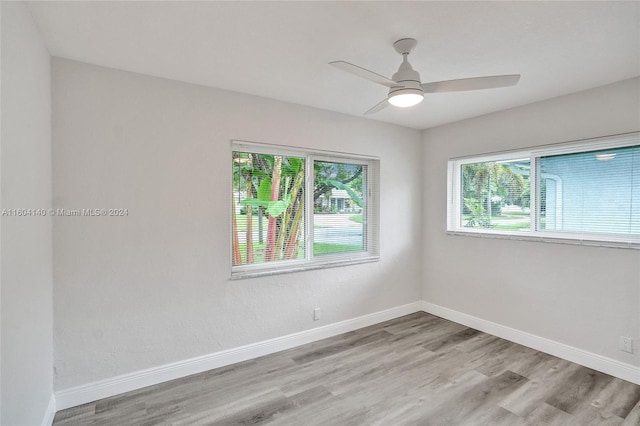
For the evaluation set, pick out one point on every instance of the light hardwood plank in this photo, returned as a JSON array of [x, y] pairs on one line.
[[414, 370]]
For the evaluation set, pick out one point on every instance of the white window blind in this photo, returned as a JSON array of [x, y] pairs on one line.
[[594, 192], [340, 208], [268, 208], [496, 195]]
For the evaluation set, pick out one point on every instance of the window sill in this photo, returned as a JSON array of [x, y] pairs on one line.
[[309, 266], [549, 239]]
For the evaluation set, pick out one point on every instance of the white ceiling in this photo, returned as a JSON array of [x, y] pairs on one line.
[[280, 50]]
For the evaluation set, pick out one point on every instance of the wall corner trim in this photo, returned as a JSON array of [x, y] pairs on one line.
[[71, 397], [591, 360], [50, 413]]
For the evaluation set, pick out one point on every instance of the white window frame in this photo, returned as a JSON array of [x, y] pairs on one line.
[[454, 202], [370, 213]]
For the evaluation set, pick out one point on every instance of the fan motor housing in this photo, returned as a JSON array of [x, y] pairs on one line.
[[408, 80], [406, 85]]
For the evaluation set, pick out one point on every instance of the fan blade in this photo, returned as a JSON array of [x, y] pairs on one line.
[[476, 83], [364, 73], [378, 107]]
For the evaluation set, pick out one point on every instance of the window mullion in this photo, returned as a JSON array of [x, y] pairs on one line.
[[534, 194], [308, 207]]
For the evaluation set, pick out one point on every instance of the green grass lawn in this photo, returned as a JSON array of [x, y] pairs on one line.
[[516, 221], [318, 250], [513, 226], [324, 248], [357, 218]]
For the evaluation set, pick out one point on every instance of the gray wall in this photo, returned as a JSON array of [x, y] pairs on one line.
[[585, 297], [26, 292], [153, 287]]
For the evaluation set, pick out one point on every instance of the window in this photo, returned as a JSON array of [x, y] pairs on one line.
[[495, 194], [587, 191], [294, 210]]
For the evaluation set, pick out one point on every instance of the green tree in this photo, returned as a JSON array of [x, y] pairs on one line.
[[273, 186], [486, 186], [329, 176]]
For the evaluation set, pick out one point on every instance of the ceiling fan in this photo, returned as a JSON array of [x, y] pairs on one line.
[[405, 88]]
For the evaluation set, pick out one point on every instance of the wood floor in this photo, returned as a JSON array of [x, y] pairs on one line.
[[414, 370]]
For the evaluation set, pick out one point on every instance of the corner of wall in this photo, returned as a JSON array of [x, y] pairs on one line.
[[26, 281]]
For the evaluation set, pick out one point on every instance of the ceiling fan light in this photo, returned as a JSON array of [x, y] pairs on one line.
[[404, 100]]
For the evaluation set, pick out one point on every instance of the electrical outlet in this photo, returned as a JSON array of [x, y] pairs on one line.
[[626, 344], [316, 314]]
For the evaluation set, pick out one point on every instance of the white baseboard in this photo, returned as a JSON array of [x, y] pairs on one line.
[[50, 413], [588, 359], [83, 394]]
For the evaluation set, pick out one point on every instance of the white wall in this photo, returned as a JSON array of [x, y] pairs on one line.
[[585, 297], [152, 288], [27, 345]]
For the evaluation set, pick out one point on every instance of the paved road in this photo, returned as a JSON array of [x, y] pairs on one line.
[[331, 228], [346, 235]]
